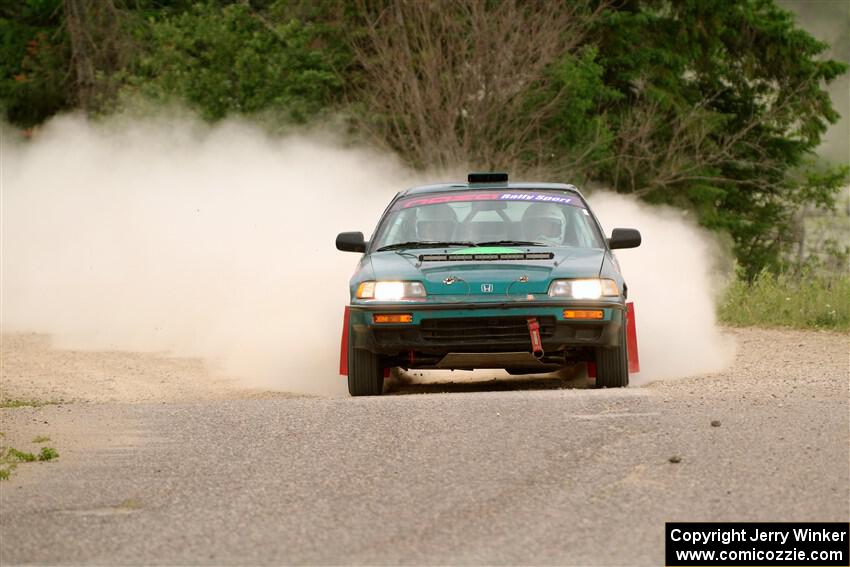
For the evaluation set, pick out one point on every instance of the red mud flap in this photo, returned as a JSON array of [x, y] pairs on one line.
[[343, 349], [343, 346], [631, 339], [631, 343]]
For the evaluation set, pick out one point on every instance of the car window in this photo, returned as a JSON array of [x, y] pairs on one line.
[[554, 218]]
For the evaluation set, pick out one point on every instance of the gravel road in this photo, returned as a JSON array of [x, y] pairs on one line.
[[531, 473]]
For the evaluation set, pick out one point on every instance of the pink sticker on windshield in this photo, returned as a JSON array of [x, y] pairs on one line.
[[489, 196], [406, 204]]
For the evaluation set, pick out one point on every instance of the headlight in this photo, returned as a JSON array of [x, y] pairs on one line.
[[390, 291], [583, 289]]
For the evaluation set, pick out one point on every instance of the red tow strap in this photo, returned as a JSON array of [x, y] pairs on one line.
[[534, 333]]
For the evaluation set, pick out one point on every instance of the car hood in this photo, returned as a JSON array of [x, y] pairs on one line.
[[474, 277]]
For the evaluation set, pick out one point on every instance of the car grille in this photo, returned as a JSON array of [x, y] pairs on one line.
[[483, 329]]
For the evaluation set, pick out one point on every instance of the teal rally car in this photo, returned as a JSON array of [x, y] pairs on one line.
[[487, 274]]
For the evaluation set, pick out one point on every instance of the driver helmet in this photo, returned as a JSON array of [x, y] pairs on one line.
[[435, 222], [544, 222]]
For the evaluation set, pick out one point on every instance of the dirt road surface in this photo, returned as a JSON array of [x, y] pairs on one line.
[[162, 464]]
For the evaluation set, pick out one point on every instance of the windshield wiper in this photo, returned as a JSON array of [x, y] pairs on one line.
[[423, 244], [510, 243]]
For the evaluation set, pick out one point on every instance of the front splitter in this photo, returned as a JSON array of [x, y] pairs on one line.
[[463, 360]]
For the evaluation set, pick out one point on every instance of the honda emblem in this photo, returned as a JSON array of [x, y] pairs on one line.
[[486, 288]]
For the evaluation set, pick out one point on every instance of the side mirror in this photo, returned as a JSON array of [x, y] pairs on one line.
[[351, 242], [624, 238]]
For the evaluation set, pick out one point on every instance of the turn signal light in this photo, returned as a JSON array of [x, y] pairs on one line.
[[584, 314], [392, 318]]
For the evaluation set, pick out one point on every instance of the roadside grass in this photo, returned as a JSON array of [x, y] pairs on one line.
[[41, 439], [48, 454], [784, 300], [11, 458], [130, 504], [15, 456], [26, 403]]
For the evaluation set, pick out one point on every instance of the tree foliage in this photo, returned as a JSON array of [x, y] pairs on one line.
[[727, 122], [236, 59], [716, 107], [34, 60], [101, 46], [447, 83]]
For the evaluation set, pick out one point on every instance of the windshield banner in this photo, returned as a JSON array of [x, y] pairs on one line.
[[536, 197]]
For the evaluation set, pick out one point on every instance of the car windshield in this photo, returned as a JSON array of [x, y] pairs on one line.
[[521, 218]]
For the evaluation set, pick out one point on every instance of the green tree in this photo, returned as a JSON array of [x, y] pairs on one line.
[[723, 105], [236, 59], [34, 58]]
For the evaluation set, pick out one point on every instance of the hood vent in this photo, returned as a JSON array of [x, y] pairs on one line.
[[486, 257]]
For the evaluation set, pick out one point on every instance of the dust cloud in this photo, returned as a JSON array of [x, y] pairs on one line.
[[217, 242], [171, 236], [674, 278]]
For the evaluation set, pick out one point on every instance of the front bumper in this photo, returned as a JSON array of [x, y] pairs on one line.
[[439, 329]]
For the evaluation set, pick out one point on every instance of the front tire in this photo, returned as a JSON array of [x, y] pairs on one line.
[[612, 364], [365, 373]]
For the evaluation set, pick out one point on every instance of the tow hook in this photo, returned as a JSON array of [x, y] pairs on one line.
[[534, 333]]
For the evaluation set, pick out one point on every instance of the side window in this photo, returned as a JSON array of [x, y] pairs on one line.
[[582, 229], [400, 228]]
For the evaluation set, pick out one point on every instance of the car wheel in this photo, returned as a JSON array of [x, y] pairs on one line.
[[365, 373], [612, 364]]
